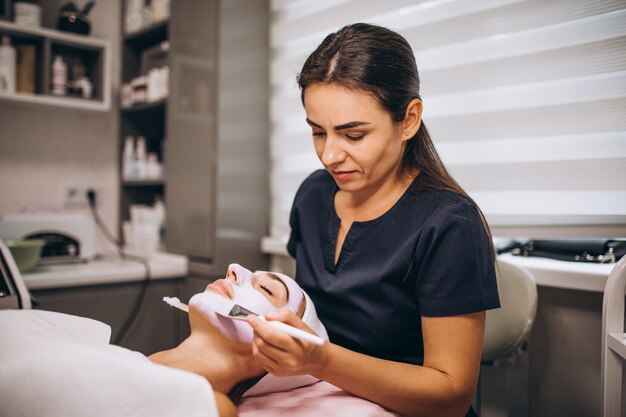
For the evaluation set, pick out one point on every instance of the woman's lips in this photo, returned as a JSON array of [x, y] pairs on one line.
[[341, 175], [221, 287]]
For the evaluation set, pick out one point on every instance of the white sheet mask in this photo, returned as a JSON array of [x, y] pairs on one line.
[[245, 295]]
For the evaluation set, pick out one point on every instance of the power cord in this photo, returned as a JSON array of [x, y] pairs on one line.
[[130, 320]]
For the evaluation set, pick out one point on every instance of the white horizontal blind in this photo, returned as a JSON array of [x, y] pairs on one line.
[[525, 102]]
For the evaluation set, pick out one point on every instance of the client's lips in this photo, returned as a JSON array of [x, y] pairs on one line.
[[221, 287]]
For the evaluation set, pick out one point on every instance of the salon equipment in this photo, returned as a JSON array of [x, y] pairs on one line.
[[236, 312], [227, 308], [70, 237], [176, 303], [73, 20], [613, 346], [26, 253], [507, 329], [13, 291], [292, 331], [573, 250]]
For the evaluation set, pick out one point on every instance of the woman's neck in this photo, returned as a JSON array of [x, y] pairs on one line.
[[219, 363], [372, 202]]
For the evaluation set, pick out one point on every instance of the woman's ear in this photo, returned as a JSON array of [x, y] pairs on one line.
[[302, 307], [412, 119]]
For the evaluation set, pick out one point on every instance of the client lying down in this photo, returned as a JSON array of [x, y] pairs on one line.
[[62, 365], [219, 347]]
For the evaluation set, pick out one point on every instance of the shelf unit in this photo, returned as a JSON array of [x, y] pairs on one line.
[[91, 53], [145, 119], [181, 128], [613, 340]]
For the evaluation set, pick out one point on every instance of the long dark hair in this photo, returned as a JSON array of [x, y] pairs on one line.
[[377, 60]]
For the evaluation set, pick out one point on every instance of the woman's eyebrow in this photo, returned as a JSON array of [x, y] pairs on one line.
[[277, 278], [344, 126]]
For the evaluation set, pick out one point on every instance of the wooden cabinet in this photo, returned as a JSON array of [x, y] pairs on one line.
[[191, 130]]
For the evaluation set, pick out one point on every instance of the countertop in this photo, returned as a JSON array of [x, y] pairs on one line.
[[106, 270], [562, 274]]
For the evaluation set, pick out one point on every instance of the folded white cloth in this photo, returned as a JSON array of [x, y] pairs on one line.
[[57, 365]]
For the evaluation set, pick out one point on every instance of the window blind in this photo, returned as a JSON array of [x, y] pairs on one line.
[[525, 102]]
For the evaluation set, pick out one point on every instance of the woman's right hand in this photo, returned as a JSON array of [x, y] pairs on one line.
[[281, 354]]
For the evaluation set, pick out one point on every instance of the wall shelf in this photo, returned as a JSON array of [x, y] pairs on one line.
[[92, 53], [156, 182], [146, 107], [148, 35]]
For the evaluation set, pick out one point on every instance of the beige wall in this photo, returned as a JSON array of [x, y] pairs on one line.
[[45, 150]]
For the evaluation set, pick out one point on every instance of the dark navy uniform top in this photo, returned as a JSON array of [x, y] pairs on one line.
[[429, 255]]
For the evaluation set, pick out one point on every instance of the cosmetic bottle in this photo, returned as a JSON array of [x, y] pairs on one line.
[[59, 76], [140, 158], [128, 158], [7, 67]]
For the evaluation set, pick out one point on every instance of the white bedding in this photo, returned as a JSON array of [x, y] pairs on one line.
[[57, 365]]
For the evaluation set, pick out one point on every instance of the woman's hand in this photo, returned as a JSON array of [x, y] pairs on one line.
[[281, 354]]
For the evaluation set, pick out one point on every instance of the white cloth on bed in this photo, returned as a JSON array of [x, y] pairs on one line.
[[58, 365]]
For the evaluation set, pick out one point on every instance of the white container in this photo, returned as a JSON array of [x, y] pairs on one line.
[[59, 76], [27, 14], [127, 95], [153, 167], [140, 87], [128, 158], [145, 228], [140, 159], [7, 67]]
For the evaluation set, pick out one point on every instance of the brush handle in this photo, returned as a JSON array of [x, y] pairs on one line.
[[295, 332]]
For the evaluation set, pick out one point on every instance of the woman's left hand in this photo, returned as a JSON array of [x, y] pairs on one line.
[[281, 354]]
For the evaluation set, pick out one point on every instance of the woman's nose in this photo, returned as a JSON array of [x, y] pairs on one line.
[[332, 152]]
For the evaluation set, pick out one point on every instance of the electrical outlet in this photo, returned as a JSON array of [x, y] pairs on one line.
[[76, 197]]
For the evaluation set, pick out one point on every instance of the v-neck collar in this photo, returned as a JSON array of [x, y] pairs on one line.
[[335, 222]]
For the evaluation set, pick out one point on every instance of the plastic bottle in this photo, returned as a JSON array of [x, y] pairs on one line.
[[59, 76], [128, 158], [159, 210], [140, 158], [7, 67]]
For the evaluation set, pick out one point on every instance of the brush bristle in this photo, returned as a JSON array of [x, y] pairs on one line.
[[173, 301]]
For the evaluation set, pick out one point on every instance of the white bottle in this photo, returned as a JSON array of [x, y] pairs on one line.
[[59, 76], [7, 67], [140, 158], [159, 210], [128, 158]]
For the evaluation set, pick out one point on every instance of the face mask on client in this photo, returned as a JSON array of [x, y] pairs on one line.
[[248, 297]]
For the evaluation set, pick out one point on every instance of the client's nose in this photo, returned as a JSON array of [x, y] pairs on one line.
[[238, 274], [233, 273]]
